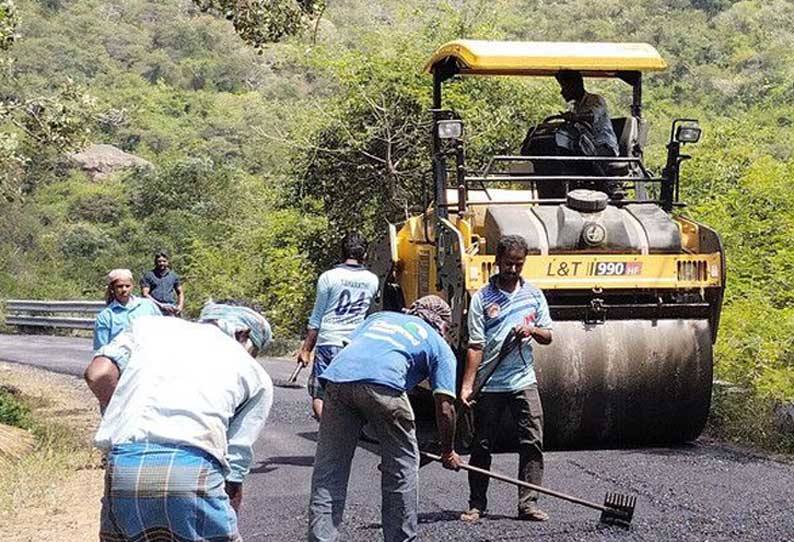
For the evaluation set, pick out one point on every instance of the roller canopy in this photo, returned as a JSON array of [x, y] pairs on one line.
[[477, 57]]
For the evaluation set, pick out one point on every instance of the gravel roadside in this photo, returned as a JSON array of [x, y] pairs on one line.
[[54, 493]]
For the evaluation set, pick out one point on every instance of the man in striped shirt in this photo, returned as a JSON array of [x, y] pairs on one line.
[[344, 295], [507, 303]]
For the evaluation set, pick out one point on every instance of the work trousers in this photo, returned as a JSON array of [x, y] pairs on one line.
[[347, 408], [527, 413]]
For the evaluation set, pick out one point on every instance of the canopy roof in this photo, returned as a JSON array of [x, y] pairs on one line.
[[477, 57]]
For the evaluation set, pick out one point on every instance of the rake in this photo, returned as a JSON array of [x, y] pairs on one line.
[[617, 509]]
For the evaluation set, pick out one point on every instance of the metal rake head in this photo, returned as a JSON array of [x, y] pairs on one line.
[[618, 509]]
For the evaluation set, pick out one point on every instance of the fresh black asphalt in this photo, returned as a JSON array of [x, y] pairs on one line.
[[705, 491]]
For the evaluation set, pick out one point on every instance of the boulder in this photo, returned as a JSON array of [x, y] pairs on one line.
[[98, 161]]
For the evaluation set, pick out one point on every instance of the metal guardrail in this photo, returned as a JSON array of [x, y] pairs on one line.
[[57, 314]]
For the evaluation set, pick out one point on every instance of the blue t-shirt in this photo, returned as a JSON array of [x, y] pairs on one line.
[[492, 314], [344, 294], [395, 350], [116, 317]]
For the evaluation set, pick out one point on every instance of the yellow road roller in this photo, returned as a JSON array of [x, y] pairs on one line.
[[634, 286]]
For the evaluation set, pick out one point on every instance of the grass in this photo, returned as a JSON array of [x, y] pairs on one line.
[[742, 417], [59, 451]]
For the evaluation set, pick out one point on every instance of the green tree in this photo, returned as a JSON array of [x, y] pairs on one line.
[[264, 21], [8, 24], [366, 157]]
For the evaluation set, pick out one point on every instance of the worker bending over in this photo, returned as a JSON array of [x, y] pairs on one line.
[[182, 405], [389, 354]]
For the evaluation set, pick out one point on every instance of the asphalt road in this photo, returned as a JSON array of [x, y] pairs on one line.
[[705, 491]]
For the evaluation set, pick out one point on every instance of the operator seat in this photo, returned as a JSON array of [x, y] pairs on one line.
[[631, 132]]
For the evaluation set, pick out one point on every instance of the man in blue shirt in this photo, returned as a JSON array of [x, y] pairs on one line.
[[344, 295], [506, 304], [367, 383], [122, 308]]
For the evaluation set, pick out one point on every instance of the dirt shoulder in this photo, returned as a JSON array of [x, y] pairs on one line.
[[54, 493]]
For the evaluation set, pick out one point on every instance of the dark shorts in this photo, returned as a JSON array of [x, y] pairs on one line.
[[322, 358]]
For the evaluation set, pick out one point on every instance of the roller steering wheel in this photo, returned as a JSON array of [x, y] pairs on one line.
[[549, 123]]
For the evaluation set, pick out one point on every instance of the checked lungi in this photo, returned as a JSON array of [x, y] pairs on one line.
[[158, 493]]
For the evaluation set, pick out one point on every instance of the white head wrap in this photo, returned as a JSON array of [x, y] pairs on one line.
[[119, 274]]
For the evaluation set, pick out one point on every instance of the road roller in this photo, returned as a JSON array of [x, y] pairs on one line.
[[634, 286]]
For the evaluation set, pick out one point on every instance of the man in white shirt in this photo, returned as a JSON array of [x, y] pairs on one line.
[[344, 294], [183, 404]]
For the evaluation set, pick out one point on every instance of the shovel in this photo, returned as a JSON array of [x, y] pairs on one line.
[[292, 381], [617, 509]]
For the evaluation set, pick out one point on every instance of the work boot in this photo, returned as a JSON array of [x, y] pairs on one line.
[[472, 515], [533, 514]]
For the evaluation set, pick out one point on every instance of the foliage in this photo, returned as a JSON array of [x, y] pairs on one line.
[[37, 132], [194, 185], [264, 21], [263, 260], [367, 157], [13, 410], [8, 24], [742, 417]]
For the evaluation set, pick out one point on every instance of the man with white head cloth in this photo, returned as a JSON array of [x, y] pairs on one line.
[[183, 404], [122, 308]]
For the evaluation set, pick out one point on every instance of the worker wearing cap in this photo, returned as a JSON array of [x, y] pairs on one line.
[[388, 355], [183, 404], [507, 304], [122, 308]]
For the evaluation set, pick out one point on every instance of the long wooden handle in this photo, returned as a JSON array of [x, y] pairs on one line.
[[294, 376], [511, 342], [521, 483]]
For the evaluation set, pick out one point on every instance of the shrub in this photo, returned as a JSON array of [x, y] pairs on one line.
[[13, 409], [83, 241]]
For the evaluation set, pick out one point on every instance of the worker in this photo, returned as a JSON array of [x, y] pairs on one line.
[[164, 287], [182, 405], [343, 298], [122, 308], [507, 303], [591, 108], [367, 383]]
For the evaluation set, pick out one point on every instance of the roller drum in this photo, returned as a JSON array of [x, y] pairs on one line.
[[625, 382]]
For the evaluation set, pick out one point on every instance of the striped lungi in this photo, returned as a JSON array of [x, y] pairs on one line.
[[158, 493]]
